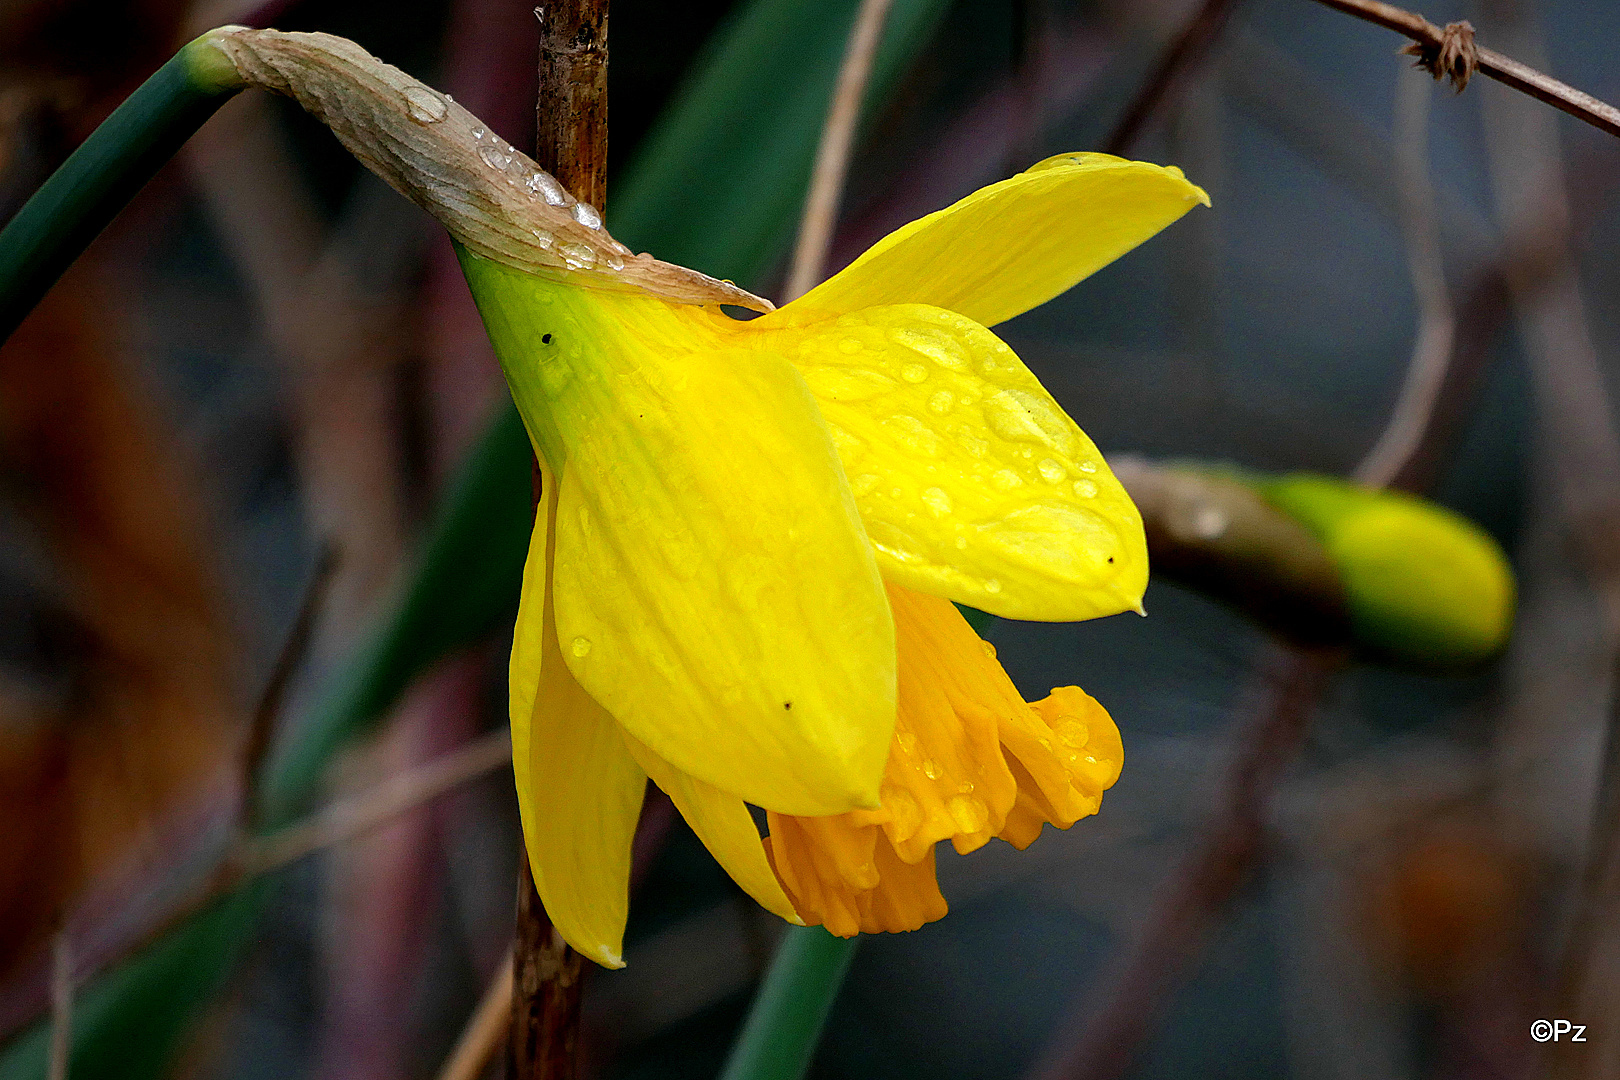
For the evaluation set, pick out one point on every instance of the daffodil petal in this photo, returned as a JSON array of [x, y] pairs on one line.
[[724, 825], [579, 790], [714, 587], [1013, 245], [972, 482], [528, 633]]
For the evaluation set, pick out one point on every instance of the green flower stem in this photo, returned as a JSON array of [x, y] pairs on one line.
[[780, 1035], [101, 176]]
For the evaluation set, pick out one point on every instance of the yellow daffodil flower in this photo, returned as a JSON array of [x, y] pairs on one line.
[[751, 532]]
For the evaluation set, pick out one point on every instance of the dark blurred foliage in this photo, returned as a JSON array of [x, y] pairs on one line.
[[269, 351]]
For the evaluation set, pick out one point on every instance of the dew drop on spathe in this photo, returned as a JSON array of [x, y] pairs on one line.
[[425, 106]]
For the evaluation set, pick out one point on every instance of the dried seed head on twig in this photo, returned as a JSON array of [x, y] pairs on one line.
[[1454, 56]]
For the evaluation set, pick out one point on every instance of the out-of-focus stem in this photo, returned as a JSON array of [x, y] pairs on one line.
[[103, 175], [1437, 324], [832, 156], [784, 1025]]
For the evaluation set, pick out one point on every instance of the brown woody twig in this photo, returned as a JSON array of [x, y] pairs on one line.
[[571, 139], [1450, 52]]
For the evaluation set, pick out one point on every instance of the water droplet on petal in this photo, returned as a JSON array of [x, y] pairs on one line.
[[850, 346], [586, 215], [913, 434], [941, 348], [937, 501], [1071, 732], [864, 483], [1088, 466], [1005, 480], [1051, 471], [425, 106], [989, 649], [860, 878], [931, 769], [580, 646], [969, 813], [961, 543], [904, 813], [1086, 489], [992, 586], [941, 402], [965, 787], [907, 740], [913, 373]]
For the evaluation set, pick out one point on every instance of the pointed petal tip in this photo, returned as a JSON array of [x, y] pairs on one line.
[[607, 957]]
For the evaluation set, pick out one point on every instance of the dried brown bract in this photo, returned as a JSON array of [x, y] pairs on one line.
[[1454, 56]]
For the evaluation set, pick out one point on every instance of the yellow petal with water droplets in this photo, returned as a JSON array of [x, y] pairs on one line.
[[714, 587], [724, 825], [579, 790], [1013, 245], [972, 482]]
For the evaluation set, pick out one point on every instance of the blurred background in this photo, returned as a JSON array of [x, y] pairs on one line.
[[225, 435]]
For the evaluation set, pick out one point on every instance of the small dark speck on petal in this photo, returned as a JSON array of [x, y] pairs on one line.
[[545, 339], [787, 704]]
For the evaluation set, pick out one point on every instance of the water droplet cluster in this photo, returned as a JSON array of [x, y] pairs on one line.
[[996, 485]]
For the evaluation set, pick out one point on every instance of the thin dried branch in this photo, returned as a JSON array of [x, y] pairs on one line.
[[1188, 908], [1437, 324], [485, 1031], [292, 654], [832, 155], [1581, 451], [343, 821], [1450, 52], [1185, 54], [353, 817]]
